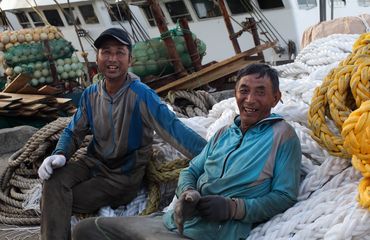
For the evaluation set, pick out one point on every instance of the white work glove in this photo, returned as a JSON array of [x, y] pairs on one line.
[[50, 163]]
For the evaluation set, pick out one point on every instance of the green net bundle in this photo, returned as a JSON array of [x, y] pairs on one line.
[[151, 57], [32, 52], [35, 55]]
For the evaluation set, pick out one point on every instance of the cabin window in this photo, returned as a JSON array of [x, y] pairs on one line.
[[36, 19], [268, 4], [53, 17], [338, 3], [88, 13], [23, 20], [70, 16], [118, 12], [364, 3], [239, 6], [149, 15], [306, 4], [177, 10], [206, 8]]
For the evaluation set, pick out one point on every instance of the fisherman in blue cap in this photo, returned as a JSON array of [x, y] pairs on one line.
[[121, 113]]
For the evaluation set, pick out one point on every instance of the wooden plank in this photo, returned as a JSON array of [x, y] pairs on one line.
[[15, 105], [62, 101], [4, 104], [18, 82], [33, 107], [10, 99], [27, 89], [27, 98], [49, 90], [215, 71]]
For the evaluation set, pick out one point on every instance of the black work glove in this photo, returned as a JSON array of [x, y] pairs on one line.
[[185, 208], [215, 208]]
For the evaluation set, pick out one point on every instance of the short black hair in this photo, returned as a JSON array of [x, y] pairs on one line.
[[262, 70]]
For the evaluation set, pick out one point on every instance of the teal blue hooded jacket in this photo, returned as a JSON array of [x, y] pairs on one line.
[[261, 166]]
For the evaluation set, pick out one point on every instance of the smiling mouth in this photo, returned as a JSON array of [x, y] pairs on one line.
[[250, 110], [112, 67]]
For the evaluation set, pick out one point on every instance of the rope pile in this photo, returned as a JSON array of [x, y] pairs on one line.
[[345, 89], [20, 177], [20, 180], [317, 54], [190, 103]]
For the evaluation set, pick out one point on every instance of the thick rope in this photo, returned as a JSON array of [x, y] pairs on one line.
[[197, 103], [20, 177]]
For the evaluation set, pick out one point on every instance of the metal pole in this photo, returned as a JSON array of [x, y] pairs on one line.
[[322, 10], [332, 10]]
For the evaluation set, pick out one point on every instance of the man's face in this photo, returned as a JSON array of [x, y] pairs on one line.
[[113, 60], [255, 98]]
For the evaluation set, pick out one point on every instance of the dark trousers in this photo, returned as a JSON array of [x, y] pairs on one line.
[[124, 228], [82, 186]]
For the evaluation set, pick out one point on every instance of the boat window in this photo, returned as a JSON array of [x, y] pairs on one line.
[[118, 12], [36, 19], [239, 6], [206, 8], [177, 10], [364, 3], [53, 17], [338, 3], [23, 20], [88, 13], [70, 16], [149, 15], [306, 4], [268, 4]]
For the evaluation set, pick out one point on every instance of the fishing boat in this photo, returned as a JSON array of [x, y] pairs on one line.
[[283, 21], [327, 206]]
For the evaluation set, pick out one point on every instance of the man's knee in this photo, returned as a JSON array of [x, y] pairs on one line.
[[85, 229]]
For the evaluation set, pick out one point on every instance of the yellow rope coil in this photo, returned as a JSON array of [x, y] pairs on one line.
[[356, 134], [317, 120], [344, 97], [337, 94], [360, 82], [342, 91], [363, 40], [363, 192]]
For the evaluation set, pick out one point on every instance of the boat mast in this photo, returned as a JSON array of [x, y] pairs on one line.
[[166, 37], [229, 27]]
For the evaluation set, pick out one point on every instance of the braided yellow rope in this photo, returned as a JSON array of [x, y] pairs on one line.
[[360, 82], [342, 91], [337, 94], [317, 121], [345, 92], [356, 134]]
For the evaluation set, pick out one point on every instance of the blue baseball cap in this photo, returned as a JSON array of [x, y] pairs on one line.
[[116, 33]]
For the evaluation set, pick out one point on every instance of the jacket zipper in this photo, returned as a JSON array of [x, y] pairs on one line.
[[228, 155]]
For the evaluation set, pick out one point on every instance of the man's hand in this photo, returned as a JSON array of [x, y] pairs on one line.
[[214, 208], [50, 163], [185, 208], [218, 208]]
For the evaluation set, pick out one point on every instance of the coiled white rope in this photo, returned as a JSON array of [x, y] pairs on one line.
[[318, 53]]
